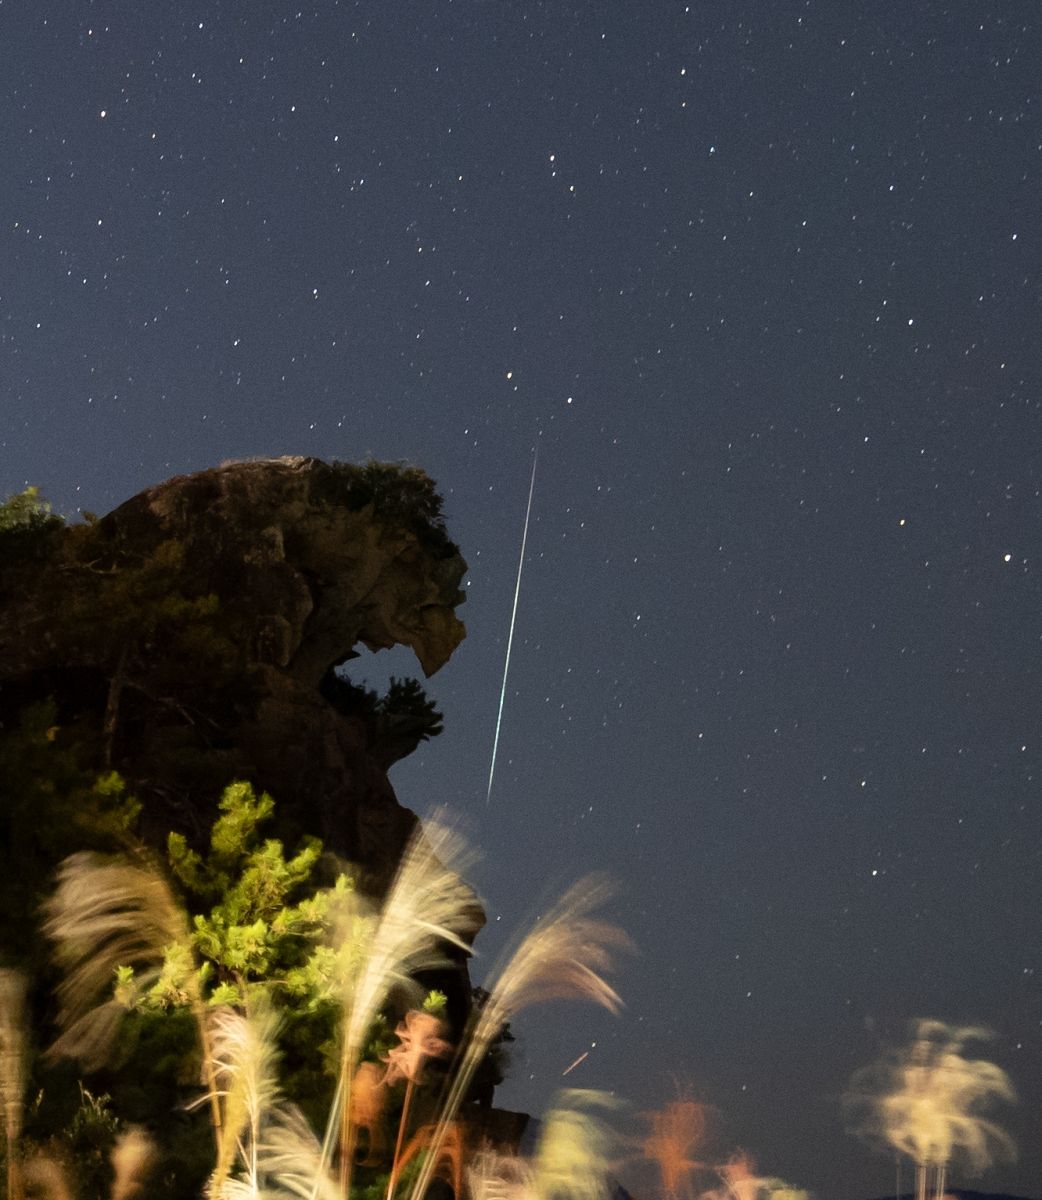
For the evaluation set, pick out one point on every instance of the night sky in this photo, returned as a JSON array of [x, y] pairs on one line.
[[761, 280]]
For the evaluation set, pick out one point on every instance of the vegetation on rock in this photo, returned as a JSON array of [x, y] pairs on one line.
[[400, 494], [25, 521], [197, 635]]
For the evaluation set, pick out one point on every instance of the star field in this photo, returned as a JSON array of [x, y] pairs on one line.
[[761, 280]]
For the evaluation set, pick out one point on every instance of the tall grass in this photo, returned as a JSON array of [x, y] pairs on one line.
[[573, 1155], [244, 1062], [111, 914], [428, 908], [572, 1159], [564, 956], [108, 915], [133, 1156], [676, 1132], [927, 1100]]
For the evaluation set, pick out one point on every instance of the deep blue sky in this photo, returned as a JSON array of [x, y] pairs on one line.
[[761, 278]]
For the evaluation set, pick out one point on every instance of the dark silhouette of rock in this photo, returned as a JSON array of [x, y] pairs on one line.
[[189, 638]]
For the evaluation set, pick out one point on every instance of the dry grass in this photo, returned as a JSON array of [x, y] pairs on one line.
[[926, 1100], [564, 956], [106, 914], [427, 908]]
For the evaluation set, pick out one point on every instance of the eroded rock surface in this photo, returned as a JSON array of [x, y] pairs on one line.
[[189, 637]]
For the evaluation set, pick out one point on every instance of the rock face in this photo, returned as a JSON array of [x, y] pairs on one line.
[[189, 638]]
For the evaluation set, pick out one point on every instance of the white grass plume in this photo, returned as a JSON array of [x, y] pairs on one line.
[[290, 1158], [427, 907], [926, 1100], [132, 1157], [239, 1189], [279, 1155], [47, 1179], [572, 1158], [573, 1154], [109, 913], [492, 1176], [106, 914], [244, 1060], [12, 1070], [562, 957]]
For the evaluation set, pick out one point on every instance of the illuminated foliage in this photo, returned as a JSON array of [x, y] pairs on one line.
[[26, 520]]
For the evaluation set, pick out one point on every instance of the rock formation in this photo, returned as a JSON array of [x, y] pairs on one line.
[[190, 637]]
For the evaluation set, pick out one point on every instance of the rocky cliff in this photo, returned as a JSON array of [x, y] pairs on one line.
[[189, 638]]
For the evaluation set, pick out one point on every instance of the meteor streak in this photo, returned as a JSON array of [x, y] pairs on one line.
[[513, 620], [572, 1066]]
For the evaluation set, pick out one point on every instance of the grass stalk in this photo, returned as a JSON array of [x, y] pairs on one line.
[[562, 957], [403, 1124], [428, 908], [244, 1067], [12, 1073], [941, 1181], [109, 914], [132, 1158]]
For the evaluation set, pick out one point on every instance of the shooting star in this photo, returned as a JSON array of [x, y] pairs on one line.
[[572, 1066], [513, 620]]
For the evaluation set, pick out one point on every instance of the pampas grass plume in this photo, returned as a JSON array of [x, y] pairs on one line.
[[243, 1067], [573, 1155], [133, 1156], [104, 915], [427, 908], [564, 956], [47, 1179]]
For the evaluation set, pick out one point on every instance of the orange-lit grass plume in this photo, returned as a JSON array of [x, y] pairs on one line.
[[452, 1153], [677, 1132], [419, 1040], [368, 1100], [739, 1181]]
